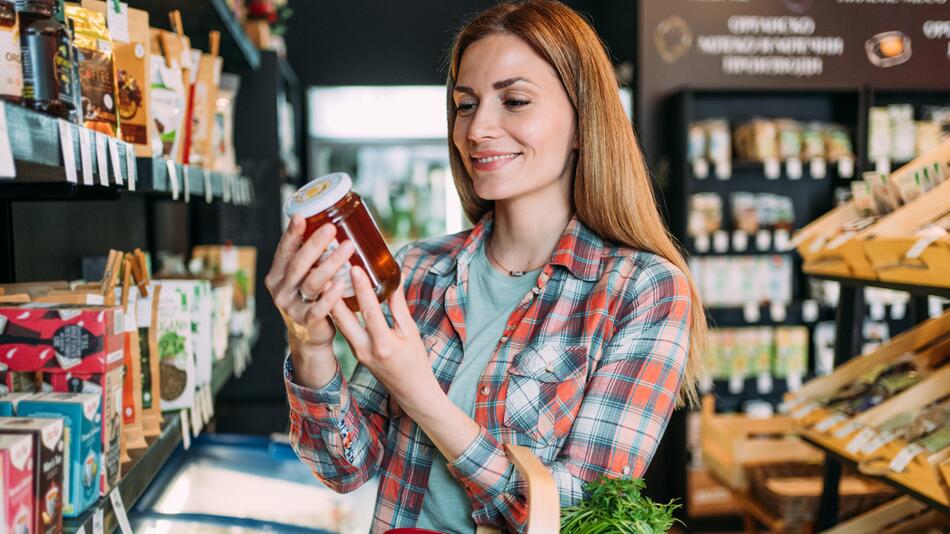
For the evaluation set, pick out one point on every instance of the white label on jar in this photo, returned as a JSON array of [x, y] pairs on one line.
[[11, 75], [343, 274]]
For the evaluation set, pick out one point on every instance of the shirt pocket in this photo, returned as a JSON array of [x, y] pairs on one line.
[[545, 390]]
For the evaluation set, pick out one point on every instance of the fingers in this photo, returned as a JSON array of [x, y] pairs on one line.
[[349, 325], [376, 323], [317, 278], [400, 310], [301, 263], [320, 310], [289, 243]]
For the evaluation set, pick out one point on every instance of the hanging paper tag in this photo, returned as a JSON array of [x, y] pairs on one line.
[[805, 410], [809, 310], [172, 177], [226, 188], [120, 514], [102, 159], [736, 384], [778, 311], [881, 440], [702, 243], [98, 526], [721, 241], [86, 156], [740, 241], [846, 430], [119, 23], [764, 383], [69, 154], [825, 424], [763, 240], [723, 170], [781, 240], [209, 192], [877, 312], [700, 168], [793, 168], [751, 312], [858, 442], [817, 168], [186, 182], [846, 167], [934, 306], [903, 458], [7, 167], [130, 166], [196, 419], [773, 169], [898, 310], [116, 162], [185, 428]]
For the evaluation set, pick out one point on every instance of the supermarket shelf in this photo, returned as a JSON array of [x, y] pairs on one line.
[[886, 480], [201, 16], [909, 288], [727, 317], [147, 464], [755, 170]]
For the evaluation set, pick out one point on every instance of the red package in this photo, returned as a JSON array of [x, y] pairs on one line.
[[16, 464], [61, 338]]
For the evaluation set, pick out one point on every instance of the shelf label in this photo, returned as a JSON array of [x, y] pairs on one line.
[[817, 168], [934, 306], [185, 428], [97, 522], [130, 167], [881, 440], [846, 430], [736, 384], [794, 381], [226, 188], [781, 240], [196, 418], [809, 310], [116, 162], [723, 170], [740, 241], [7, 167], [120, 514], [858, 442], [793, 168], [778, 311], [172, 177], [702, 243], [881, 166], [905, 457], [763, 240], [898, 310], [846, 167], [86, 156], [773, 169], [209, 191], [764, 383], [721, 241], [877, 311], [210, 403], [825, 424], [751, 312], [805, 410], [700, 168], [118, 22], [102, 157], [69, 154], [186, 182]]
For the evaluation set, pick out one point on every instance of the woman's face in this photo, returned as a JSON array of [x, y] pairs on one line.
[[515, 127]]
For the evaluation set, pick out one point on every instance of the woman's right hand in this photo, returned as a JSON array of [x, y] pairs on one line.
[[295, 274]]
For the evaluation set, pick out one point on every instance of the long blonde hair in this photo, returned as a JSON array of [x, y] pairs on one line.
[[612, 194]]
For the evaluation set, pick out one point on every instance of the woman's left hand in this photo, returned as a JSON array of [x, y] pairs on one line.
[[396, 356]]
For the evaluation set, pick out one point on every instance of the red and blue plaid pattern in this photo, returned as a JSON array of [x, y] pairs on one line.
[[586, 375]]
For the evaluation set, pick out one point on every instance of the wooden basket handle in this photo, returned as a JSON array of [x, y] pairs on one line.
[[544, 502]]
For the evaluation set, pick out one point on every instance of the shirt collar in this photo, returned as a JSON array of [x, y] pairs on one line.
[[578, 250]]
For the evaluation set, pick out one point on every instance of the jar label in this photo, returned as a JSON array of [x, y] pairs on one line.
[[11, 68], [343, 274]]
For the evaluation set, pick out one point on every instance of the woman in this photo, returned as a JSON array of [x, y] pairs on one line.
[[565, 320]]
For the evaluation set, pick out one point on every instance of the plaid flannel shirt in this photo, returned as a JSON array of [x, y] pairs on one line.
[[586, 375]]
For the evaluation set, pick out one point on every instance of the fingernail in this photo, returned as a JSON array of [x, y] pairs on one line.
[[328, 230], [346, 246]]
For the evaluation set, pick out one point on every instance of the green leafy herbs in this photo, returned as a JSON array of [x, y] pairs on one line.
[[170, 345], [616, 505]]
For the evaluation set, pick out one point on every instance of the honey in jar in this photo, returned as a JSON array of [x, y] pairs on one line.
[[331, 199]]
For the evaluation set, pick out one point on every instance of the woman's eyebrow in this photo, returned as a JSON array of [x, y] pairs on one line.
[[501, 84]]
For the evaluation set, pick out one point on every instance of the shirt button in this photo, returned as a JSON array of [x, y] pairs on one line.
[[549, 369], [504, 339], [626, 470], [485, 391]]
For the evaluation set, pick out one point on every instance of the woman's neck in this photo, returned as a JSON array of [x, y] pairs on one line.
[[524, 235]]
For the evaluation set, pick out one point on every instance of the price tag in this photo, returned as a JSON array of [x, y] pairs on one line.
[[778, 311], [721, 241], [205, 407], [209, 192], [226, 188], [764, 383], [116, 162], [934, 306], [881, 166], [805, 410], [86, 156], [186, 182], [102, 159], [773, 169], [700, 168], [97, 522], [903, 458], [817, 168], [877, 311], [858, 442], [7, 167], [898, 310], [846, 430], [185, 428], [740, 241], [785, 407], [763, 240], [196, 418], [881, 440], [210, 403], [723, 170], [736, 384], [130, 166], [794, 381], [120, 514], [793, 168], [69, 154], [172, 177], [118, 22], [809, 310], [825, 424], [702, 243], [781, 240], [751, 312], [846, 167]]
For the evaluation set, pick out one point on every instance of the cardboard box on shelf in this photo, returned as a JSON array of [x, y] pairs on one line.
[[16, 475], [48, 444]]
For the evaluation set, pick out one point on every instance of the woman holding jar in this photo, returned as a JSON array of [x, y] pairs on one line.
[[565, 321]]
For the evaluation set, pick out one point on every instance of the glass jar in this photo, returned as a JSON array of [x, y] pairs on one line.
[[331, 199], [46, 52]]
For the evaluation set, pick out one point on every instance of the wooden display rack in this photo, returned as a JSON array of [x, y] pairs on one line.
[[903, 514]]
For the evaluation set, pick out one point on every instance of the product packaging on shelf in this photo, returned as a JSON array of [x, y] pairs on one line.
[[82, 444], [48, 436], [96, 67], [147, 316], [224, 158], [204, 97], [11, 67], [50, 77], [12, 382], [167, 94], [241, 264], [9, 402], [176, 347], [133, 48], [16, 474]]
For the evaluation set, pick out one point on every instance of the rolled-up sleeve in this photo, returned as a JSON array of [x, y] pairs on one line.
[[629, 400]]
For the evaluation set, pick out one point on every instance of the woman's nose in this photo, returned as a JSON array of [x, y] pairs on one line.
[[484, 125]]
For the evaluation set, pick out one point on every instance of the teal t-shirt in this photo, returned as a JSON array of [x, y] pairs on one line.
[[492, 296]]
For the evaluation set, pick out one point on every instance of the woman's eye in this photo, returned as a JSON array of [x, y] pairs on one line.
[[516, 103], [465, 108]]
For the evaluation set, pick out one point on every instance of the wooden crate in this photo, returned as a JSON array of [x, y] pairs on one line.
[[900, 509], [730, 444]]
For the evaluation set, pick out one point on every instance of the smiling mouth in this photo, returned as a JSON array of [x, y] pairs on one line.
[[496, 158]]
